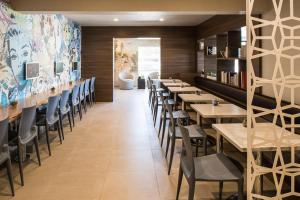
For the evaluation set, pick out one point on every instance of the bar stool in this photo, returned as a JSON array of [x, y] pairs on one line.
[[82, 96], [75, 103], [64, 109], [92, 89], [50, 119], [87, 95], [4, 152], [27, 132]]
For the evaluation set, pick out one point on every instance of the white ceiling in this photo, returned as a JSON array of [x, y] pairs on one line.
[[137, 18]]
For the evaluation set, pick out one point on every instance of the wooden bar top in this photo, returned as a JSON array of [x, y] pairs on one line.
[[13, 112]]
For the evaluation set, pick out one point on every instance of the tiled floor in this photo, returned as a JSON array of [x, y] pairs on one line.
[[112, 154]]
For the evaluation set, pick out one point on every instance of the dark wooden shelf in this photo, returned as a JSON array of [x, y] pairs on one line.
[[231, 58]]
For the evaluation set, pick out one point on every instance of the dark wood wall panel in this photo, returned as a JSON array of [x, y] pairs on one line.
[[219, 24], [178, 52]]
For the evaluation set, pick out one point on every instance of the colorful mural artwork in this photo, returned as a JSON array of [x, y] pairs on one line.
[[44, 39]]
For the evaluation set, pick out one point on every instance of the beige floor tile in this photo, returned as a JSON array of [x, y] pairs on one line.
[[112, 154]]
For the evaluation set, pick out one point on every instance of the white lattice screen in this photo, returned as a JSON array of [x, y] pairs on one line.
[[276, 39]]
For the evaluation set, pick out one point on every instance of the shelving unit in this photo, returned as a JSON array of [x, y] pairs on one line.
[[233, 65]]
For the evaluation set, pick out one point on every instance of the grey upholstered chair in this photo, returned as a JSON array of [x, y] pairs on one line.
[[75, 103], [82, 99], [126, 81], [92, 89], [215, 167], [27, 132], [51, 119], [64, 109], [87, 94], [4, 152]]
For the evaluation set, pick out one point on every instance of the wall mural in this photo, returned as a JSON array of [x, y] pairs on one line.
[[44, 39]]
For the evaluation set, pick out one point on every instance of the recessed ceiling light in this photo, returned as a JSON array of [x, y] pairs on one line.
[[116, 19], [161, 19]]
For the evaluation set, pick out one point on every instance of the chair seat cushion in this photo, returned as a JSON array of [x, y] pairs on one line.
[[216, 167]]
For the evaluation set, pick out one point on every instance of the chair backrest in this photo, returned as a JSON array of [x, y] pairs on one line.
[[93, 84], [81, 91], [186, 159], [149, 83], [169, 108], [64, 98], [3, 134], [75, 93], [87, 87], [52, 108], [27, 121]]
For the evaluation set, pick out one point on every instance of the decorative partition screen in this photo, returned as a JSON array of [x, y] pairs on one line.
[[274, 38]]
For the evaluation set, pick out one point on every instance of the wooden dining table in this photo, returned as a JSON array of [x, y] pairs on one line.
[[181, 90], [176, 84], [198, 98], [13, 112], [167, 80], [218, 112], [236, 134]]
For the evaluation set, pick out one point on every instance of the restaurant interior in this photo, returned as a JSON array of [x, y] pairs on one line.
[[149, 100]]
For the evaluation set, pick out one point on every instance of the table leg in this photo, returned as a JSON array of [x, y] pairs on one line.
[[175, 97], [219, 137], [258, 183], [198, 119], [183, 105]]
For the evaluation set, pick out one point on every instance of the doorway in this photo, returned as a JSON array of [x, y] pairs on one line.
[[134, 58]]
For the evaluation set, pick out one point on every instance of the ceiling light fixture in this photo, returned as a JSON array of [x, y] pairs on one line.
[[116, 19], [161, 19]]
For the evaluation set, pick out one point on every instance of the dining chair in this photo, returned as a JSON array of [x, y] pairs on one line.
[[213, 168], [92, 89], [82, 96], [26, 133], [160, 96], [87, 95], [196, 133], [50, 119], [64, 109], [75, 103], [165, 115], [149, 85], [4, 152]]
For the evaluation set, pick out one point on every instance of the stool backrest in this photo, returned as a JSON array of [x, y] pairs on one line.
[[87, 87], [52, 108], [3, 134], [27, 122], [64, 98], [93, 84], [75, 94]]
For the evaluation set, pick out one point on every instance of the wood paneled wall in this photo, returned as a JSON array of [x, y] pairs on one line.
[[178, 52], [219, 24]]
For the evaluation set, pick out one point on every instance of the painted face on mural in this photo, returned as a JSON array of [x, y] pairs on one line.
[[19, 52]]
